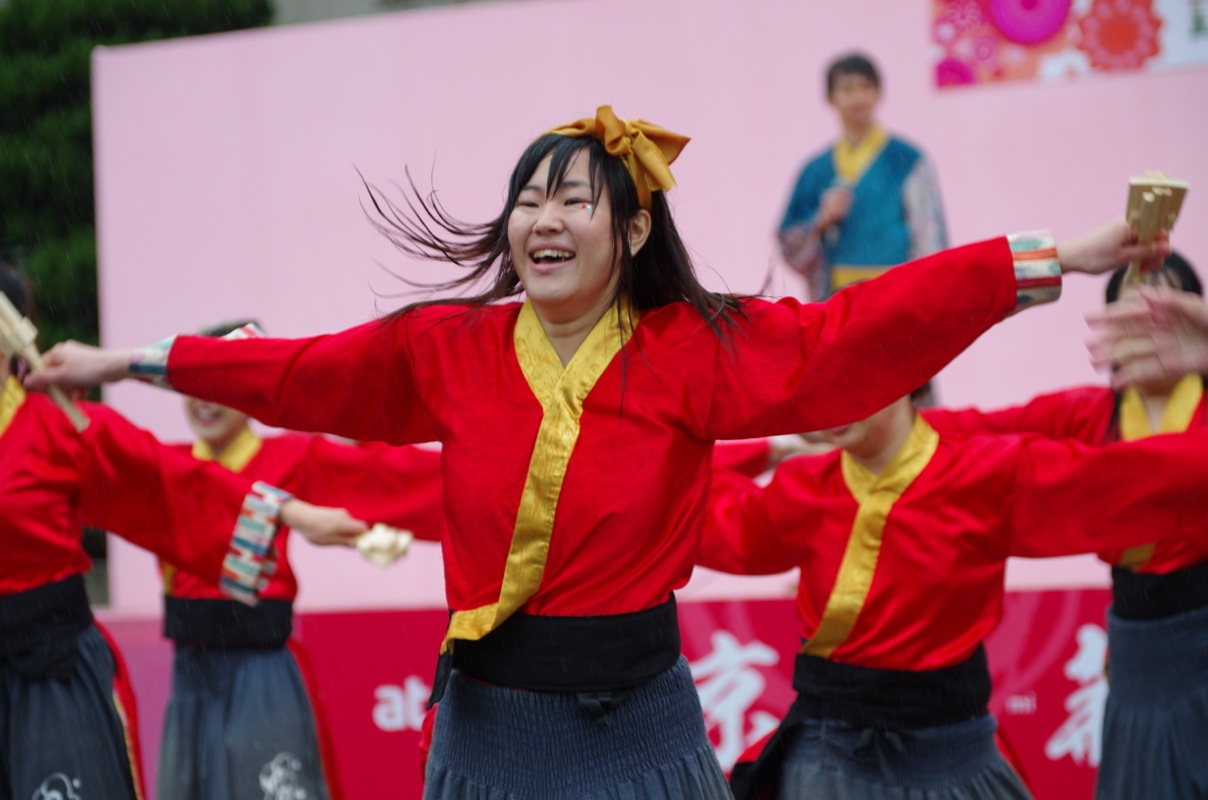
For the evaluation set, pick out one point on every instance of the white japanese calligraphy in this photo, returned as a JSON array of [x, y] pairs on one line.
[[1081, 736], [728, 685]]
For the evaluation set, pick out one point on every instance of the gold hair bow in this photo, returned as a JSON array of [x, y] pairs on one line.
[[646, 149]]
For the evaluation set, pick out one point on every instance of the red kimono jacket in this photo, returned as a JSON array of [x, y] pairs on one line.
[[905, 571], [582, 490], [53, 481], [1093, 415], [398, 486], [751, 457]]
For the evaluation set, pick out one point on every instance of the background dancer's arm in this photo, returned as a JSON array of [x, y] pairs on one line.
[[1071, 498], [166, 502], [739, 537]]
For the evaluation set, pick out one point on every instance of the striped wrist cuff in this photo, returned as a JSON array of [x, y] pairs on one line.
[[250, 560], [1037, 271], [150, 364], [249, 331]]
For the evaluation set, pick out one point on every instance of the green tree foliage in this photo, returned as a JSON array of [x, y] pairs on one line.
[[46, 194]]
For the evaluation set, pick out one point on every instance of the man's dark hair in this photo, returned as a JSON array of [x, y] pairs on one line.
[[851, 64]]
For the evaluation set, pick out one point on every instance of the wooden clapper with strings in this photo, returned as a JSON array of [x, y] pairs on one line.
[[17, 338], [1154, 201]]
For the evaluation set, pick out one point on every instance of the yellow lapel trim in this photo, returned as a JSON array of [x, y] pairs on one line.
[[561, 393], [852, 160], [167, 573], [236, 455], [1176, 418], [11, 399], [876, 495]]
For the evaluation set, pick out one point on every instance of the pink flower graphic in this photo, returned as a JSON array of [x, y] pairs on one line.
[[954, 72], [1029, 22], [1120, 34], [964, 15]]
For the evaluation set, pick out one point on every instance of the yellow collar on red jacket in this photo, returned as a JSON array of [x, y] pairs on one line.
[[1176, 417], [876, 495], [236, 455], [11, 399]]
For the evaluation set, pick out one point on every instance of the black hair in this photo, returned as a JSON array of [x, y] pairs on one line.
[[220, 329], [1175, 269], [851, 64], [924, 396], [660, 273], [14, 288]]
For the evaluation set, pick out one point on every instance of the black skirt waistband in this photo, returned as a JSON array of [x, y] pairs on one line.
[[1142, 595], [893, 699], [570, 654], [227, 624], [39, 627], [875, 699]]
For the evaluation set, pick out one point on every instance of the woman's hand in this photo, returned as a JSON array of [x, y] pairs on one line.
[[72, 365], [1110, 247], [1160, 335], [321, 525], [792, 445]]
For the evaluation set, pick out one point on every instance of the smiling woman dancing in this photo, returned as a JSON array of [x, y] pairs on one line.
[[577, 428]]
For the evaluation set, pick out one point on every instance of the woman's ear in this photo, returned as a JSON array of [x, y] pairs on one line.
[[639, 231]]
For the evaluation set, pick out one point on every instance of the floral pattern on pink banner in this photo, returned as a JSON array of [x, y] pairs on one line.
[[1120, 34], [989, 41]]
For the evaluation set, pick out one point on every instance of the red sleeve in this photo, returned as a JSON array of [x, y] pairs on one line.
[[398, 486], [155, 498], [746, 458], [739, 536], [1082, 414], [338, 383], [794, 367], [1073, 498]]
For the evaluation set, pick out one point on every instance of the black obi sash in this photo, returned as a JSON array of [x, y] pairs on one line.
[[880, 700], [601, 658], [1141, 595], [227, 624], [39, 628]]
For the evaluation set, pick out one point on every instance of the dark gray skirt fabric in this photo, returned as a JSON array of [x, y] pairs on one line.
[[238, 727], [834, 760], [63, 738], [495, 743], [1155, 728]]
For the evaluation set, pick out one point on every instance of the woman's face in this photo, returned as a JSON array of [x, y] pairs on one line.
[[562, 244], [213, 424], [868, 437]]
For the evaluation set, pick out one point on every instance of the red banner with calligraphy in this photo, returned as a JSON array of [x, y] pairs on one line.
[[372, 672]]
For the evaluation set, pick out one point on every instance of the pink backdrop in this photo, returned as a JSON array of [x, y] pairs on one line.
[[227, 183]]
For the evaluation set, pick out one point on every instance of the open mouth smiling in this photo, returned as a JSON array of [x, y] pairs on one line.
[[549, 256]]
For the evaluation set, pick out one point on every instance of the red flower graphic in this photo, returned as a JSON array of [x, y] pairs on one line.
[[1120, 34]]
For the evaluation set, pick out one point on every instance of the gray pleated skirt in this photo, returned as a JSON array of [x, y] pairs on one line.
[[238, 727], [1155, 729], [495, 743], [834, 760], [64, 738]]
